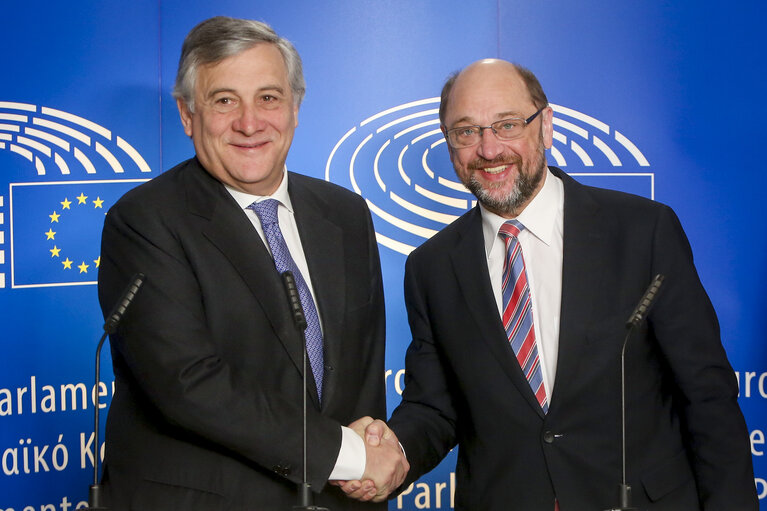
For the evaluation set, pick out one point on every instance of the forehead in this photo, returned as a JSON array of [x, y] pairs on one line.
[[257, 67], [487, 92]]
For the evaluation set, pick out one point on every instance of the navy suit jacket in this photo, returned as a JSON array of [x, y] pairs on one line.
[[207, 361], [687, 441]]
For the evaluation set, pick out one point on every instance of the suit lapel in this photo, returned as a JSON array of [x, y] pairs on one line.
[[322, 241], [583, 261], [470, 268], [228, 228]]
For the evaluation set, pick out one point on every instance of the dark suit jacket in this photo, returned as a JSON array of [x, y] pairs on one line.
[[207, 361], [687, 440]]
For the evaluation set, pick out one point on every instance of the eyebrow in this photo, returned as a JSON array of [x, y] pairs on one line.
[[219, 91], [229, 90], [499, 116], [275, 88]]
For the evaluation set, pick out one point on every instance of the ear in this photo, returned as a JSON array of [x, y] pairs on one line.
[[443, 128], [547, 127], [295, 115], [186, 116]]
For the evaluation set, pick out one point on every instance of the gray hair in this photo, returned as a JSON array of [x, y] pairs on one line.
[[218, 38], [534, 88]]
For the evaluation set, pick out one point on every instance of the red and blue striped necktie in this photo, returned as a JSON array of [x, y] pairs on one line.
[[518, 313]]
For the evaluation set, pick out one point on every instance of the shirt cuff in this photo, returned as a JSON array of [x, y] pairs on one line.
[[350, 464]]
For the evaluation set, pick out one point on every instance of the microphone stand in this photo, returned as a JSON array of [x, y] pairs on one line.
[[95, 496], [624, 488], [305, 497], [636, 318]]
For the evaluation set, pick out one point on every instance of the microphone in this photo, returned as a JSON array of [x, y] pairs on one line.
[[294, 301], [128, 295], [646, 303], [636, 319], [95, 498]]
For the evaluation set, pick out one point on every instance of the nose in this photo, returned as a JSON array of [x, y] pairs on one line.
[[248, 121], [489, 145]]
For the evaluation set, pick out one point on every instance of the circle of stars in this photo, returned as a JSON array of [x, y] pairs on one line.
[[66, 204]]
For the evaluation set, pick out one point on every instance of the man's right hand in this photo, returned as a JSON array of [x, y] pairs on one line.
[[386, 465]]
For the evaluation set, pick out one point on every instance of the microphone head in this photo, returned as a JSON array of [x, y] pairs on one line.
[[294, 300], [646, 303], [127, 297]]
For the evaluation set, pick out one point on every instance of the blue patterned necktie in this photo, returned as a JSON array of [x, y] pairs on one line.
[[518, 313], [267, 213]]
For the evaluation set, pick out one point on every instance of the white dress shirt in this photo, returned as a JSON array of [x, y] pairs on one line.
[[541, 242], [350, 464]]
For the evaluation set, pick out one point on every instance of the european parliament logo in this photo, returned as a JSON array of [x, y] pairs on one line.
[[52, 220], [394, 160]]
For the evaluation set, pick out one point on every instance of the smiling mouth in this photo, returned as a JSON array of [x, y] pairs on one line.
[[252, 145], [496, 170]]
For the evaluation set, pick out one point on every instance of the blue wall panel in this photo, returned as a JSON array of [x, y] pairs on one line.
[[661, 99]]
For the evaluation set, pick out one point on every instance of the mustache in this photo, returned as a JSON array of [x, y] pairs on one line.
[[501, 159]]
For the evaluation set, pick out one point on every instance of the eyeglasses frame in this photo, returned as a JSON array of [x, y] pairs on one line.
[[483, 128]]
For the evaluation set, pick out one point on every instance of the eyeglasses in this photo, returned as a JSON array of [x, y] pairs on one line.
[[505, 129]]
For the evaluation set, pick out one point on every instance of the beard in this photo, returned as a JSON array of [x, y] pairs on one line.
[[529, 177]]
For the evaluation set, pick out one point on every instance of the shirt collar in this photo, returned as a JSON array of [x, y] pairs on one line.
[[539, 217], [280, 194]]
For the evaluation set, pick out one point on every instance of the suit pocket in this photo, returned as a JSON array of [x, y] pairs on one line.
[[667, 476], [154, 495]]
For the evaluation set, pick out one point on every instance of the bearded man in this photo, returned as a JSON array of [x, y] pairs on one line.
[[518, 314]]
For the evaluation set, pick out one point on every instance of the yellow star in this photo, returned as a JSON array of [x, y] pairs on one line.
[[54, 217], [55, 251], [83, 267], [67, 264], [98, 202], [97, 261], [50, 234], [81, 198], [66, 203]]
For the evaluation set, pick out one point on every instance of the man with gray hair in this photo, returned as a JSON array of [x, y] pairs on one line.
[[207, 412]]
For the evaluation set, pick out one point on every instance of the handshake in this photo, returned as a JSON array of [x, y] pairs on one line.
[[385, 467]]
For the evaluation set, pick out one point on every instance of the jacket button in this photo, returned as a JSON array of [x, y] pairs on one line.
[[282, 470], [548, 437]]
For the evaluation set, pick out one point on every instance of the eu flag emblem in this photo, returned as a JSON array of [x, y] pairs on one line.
[[56, 230]]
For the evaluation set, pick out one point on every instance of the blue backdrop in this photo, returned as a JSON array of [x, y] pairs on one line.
[[658, 98]]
